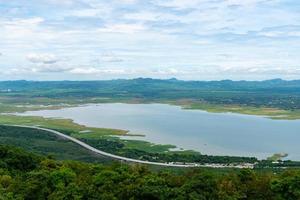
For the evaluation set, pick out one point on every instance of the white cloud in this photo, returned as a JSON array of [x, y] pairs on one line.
[[41, 68], [247, 2], [123, 28], [42, 58], [22, 31], [129, 1], [168, 71], [199, 4], [85, 13], [110, 57], [96, 71], [62, 2], [182, 72], [187, 37], [50, 69], [19, 26], [143, 16], [259, 70], [285, 31], [24, 22], [179, 4]]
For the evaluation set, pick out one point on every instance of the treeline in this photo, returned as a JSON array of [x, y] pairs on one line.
[[272, 93], [26, 176], [278, 164]]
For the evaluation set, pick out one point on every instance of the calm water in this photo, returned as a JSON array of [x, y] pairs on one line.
[[209, 133]]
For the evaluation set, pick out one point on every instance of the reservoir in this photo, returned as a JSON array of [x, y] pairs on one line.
[[208, 133]]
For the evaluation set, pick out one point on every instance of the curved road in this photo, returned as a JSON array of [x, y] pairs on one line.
[[97, 151], [86, 146]]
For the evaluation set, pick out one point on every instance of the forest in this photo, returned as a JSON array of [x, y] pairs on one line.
[[25, 175], [274, 93]]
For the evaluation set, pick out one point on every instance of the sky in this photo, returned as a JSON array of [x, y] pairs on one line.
[[185, 39]]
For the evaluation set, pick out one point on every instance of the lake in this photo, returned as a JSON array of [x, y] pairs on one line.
[[208, 133]]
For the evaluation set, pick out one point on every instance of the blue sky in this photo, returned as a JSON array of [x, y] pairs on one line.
[[186, 39]]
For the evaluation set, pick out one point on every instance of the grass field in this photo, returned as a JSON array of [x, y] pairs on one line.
[[59, 124], [272, 113], [148, 147]]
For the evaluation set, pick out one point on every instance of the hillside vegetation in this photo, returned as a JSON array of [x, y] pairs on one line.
[[27, 176]]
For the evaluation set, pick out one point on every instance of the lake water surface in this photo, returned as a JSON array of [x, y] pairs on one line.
[[208, 133]]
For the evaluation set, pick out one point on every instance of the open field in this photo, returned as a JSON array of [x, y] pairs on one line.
[[64, 124], [272, 113]]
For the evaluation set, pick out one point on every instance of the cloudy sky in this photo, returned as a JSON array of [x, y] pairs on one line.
[[186, 39]]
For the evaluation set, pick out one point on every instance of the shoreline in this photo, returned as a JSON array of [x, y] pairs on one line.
[[132, 160], [97, 132], [267, 112]]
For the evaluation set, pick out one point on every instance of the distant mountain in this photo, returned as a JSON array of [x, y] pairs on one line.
[[171, 83], [270, 93]]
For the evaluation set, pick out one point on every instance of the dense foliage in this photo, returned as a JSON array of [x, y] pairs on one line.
[[45, 143], [275, 93], [27, 176]]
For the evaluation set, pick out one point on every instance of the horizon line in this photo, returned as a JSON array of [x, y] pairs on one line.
[[144, 78]]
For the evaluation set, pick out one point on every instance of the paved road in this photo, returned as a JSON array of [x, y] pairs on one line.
[[86, 146]]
